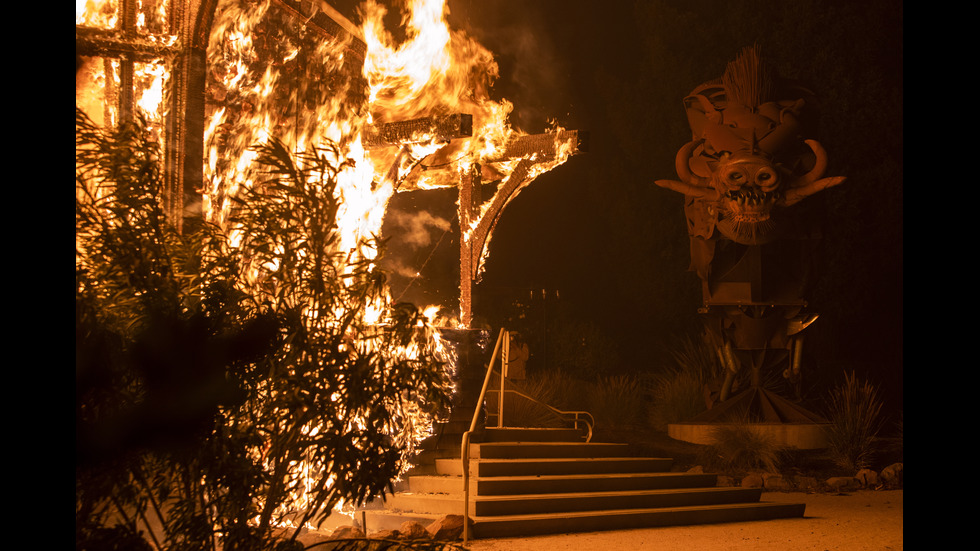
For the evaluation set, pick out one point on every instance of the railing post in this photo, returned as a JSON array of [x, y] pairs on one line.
[[465, 451], [504, 359]]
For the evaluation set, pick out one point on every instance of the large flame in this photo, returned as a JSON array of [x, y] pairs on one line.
[[269, 75]]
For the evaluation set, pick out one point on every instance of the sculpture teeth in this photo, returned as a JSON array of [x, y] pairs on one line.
[[743, 197]]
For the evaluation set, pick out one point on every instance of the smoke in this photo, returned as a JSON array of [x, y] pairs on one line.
[[408, 233], [533, 76], [414, 227]]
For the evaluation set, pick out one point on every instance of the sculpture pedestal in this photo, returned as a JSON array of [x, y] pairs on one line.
[[802, 436], [766, 413]]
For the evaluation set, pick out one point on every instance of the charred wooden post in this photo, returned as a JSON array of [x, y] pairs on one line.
[[469, 212], [475, 234]]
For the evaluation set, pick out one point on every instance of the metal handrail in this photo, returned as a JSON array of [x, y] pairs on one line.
[[465, 451], [589, 423]]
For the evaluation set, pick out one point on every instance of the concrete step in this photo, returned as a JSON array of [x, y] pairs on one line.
[[621, 519], [607, 482], [521, 434], [529, 450], [435, 484], [429, 504], [554, 466], [534, 504], [516, 485]]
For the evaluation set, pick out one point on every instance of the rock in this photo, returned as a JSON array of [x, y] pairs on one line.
[[346, 532], [725, 481], [892, 474], [447, 528], [867, 478], [412, 530], [697, 469], [776, 482], [843, 483], [299, 544], [310, 538], [386, 535], [753, 481], [806, 483]]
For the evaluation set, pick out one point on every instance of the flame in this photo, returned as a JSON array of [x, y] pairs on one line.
[[253, 93]]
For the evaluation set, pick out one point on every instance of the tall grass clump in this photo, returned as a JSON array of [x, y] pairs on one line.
[[554, 388], [618, 402], [855, 420], [738, 448], [522, 412], [677, 394]]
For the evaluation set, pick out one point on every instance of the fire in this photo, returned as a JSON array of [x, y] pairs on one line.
[[269, 76]]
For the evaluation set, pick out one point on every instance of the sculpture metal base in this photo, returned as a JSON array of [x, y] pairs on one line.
[[765, 412]]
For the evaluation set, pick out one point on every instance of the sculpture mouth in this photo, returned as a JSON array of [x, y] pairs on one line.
[[746, 216], [749, 206]]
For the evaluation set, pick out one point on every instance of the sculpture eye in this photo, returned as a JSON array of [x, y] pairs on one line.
[[766, 177], [736, 177]]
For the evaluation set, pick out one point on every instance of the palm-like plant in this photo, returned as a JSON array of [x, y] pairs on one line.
[[222, 390]]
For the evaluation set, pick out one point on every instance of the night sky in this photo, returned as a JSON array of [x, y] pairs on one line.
[[606, 245]]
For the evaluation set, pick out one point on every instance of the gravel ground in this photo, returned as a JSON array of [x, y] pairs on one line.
[[855, 521]]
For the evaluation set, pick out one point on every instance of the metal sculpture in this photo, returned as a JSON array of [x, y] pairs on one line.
[[751, 162]]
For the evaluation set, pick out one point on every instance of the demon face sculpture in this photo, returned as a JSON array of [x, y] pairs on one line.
[[749, 156]]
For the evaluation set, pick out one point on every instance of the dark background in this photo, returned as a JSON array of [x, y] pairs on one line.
[[591, 259]]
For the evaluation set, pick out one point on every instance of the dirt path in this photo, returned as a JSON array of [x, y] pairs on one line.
[[856, 521]]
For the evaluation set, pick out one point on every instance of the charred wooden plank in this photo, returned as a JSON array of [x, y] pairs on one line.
[[545, 145], [419, 130], [327, 21], [111, 43]]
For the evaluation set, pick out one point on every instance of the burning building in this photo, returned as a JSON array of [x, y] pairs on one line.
[[219, 76]]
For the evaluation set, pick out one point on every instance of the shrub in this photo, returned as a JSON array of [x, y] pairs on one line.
[[222, 392], [738, 448], [521, 412], [554, 388], [855, 419], [678, 393], [617, 401], [674, 397]]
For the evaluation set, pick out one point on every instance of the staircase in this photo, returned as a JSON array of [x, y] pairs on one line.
[[527, 482], [535, 481]]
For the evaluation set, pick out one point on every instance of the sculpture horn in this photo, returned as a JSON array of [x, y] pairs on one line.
[[820, 165], [684, 169]]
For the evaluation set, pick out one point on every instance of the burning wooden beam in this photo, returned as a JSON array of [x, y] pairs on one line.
[[327, 21], [111, 43], [546, 145], [419, 130]]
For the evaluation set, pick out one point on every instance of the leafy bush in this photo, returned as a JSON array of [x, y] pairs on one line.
[[225, 391], [855, 419]]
